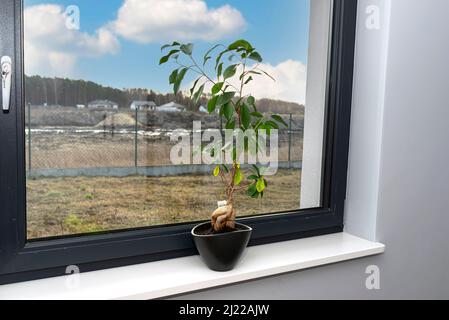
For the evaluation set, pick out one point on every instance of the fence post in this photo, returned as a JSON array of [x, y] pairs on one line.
[[135, 140], [290, 143], [29, 139]]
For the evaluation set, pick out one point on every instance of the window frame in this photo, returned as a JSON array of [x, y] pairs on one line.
[[22, 260]]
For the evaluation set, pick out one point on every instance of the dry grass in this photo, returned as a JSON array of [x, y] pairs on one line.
[[62, 206]]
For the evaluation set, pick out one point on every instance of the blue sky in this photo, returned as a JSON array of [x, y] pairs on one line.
[[277, 28]]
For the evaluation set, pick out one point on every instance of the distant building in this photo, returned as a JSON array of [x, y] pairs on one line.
[[102, 104], [143, 105], [171, 107]]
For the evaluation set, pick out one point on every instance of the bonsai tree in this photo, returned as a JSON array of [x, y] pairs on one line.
[[234, 67]]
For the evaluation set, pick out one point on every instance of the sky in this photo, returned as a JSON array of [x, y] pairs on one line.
[[118, 41]]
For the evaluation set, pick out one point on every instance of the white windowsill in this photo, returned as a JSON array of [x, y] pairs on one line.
[[177, 276]]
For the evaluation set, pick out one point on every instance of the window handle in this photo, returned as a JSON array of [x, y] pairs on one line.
[[6, 68]]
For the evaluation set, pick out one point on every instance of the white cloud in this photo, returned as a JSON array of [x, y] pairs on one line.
[[146, 21], [290, 84], [52, 49]]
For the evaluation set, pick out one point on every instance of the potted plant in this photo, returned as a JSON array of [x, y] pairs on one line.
[[222, 241]]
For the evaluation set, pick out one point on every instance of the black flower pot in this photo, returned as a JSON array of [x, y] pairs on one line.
[[221, 252]]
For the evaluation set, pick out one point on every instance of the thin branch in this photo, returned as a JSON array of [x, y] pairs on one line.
[[190, 68]]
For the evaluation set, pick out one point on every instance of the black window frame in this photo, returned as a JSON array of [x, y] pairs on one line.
[[22, 260]]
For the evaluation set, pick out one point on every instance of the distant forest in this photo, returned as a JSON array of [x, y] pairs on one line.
[[69, 93]]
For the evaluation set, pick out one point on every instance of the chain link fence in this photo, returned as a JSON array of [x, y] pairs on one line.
[[70, 139]]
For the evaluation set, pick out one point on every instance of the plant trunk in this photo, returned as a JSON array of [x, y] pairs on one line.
[[224, 218]]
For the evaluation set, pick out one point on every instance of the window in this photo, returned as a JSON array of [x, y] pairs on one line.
[[87, 176]]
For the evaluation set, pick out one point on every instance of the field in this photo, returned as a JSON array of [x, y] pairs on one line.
[[69, 139], [65, 206]]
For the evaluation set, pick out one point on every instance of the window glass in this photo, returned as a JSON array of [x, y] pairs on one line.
[[101, 115]]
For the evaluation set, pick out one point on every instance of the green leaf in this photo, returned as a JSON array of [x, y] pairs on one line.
[[174, 44], [194, 86], [249, 80], [230, 71], [255, 56], [179, 79], [217, 87], [240, 44], [219, 70], [260, 185], [217, 61], [225, 98], [207, 56], [228, 111], [165, 58], [272, 124], [245, 116], [257, 114], [256, 169], [212, 104], [216, 171], [264, 126], [279, 119], [225, 168], [253, 177], [251, 100], [173, 76], [230, 125], [238, 178], [252, 190], [198, 94], [187, 49]]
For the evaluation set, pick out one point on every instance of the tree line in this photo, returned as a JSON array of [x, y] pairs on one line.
[[69, 93]]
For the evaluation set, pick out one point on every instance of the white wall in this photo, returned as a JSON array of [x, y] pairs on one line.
[[315, 106], [367, 117], [399, 164]]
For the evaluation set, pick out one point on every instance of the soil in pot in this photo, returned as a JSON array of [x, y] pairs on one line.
[[206, 230]]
